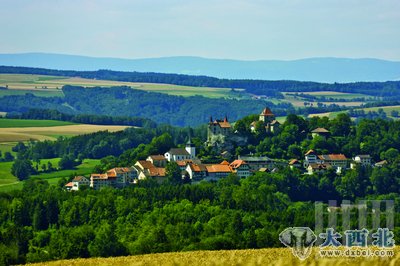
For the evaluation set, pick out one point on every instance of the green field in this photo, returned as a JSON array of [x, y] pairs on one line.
[[9, 182], [343, 99], [337, 95], [10, 123], [386, 109], [40, 85]]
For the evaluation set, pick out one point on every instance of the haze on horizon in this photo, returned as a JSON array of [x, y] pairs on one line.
[[247, 30]]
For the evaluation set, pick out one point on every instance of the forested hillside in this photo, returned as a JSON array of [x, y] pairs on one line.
[[389, 89], [125, 101]]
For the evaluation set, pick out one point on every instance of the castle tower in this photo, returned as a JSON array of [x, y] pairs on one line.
[[266, 115]]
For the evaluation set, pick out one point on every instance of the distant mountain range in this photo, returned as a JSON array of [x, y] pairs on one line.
[[312, 69]]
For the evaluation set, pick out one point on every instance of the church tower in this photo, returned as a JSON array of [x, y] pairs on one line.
[[191, 149]]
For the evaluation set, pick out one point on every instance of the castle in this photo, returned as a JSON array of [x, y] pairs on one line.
[[267, 118], [218, 130]]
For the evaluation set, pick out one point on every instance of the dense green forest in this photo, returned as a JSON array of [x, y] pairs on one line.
[[161, 108], [44, 222], [388, 90]]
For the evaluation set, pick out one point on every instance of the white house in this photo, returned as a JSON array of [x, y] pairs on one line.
[[177, 154], [256, 163], [98, 181], [79, 181], [337, 161], [311, 157], [364, 159]]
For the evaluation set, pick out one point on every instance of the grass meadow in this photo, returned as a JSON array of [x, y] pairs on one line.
[[9, 182]]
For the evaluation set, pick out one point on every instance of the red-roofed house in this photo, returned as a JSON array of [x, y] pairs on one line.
[[217, 171], [196, 171], [69, 186], [240, 168], [123, 175], [147, 170], [157, 160], [337, 161]]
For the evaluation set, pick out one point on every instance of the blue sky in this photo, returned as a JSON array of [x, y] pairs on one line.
[[250, 30]]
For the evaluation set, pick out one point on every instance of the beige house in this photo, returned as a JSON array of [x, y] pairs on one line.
[[217, 171], [314, 168], [157, 160], [321, 132], [147, 170]]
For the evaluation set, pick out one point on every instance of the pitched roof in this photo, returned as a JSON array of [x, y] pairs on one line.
[[237, 163], [267, 112], [145, 164], [275, 122], [294, 161], [333, 157], [310, 152], [100, 176], [198, 167], [364, 156], [219, 168], [118, 170], [381, 163], [69, 184], [320, 130], [178, 151], [158, 157], [78, 178], [157, 171], [224, 162], [224, 124], [319, 165], [182, 163]]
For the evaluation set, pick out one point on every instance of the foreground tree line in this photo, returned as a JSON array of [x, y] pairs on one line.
[[44, 222]]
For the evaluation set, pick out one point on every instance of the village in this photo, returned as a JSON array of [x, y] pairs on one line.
[[220, 132]]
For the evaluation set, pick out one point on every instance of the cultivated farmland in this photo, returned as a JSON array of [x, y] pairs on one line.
[[12, 134], [272, 256], [42, 85]]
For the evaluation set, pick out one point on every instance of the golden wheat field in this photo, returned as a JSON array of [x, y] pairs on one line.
[[51, 133], [272, 256]]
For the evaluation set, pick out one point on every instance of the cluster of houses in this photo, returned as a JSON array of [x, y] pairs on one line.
[[154, 167], [191, 168]]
